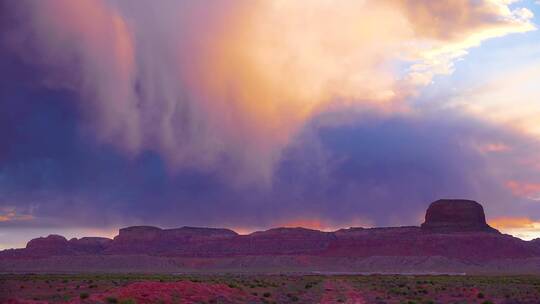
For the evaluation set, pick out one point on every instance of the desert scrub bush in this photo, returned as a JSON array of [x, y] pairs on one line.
[[481, 295], [111, 300], [292, 297], [84, 295]]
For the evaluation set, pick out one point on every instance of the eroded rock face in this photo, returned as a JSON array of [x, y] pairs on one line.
[[59, 245], [89, 245], [199, 232], [453, 215], [149, 233], [454, 229], [280, 241], [153, 240], [52, 240], [50, 245]]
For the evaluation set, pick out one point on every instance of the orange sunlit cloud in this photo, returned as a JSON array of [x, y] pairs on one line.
[[522, 227], [494, 147], [508, 98], [309, 223], [10, 215], [262, 104], [249, 74], [511, 222], [524, 189]]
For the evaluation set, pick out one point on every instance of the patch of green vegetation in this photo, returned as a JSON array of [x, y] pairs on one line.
[[294, 288]]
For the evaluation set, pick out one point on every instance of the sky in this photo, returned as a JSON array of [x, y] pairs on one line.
[[257, 114]]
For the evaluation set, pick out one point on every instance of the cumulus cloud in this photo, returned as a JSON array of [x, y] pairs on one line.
[[450, 28], [225, 86], [524, 189], [508, 98], [353, 166]]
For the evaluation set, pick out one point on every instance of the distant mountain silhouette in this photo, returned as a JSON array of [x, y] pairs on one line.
[[454, 238]]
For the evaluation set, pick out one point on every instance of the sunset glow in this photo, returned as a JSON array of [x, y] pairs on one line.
[[256, 114]]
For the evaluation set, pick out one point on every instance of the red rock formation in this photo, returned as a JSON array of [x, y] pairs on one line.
[[50, 245], [59, 245], [413, 241], [277, 241], [89, 245], [153, 240], [453, 229], [452, 215]]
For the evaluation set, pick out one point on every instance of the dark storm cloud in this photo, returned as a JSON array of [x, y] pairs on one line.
[[364, 168], [342, 169], [199, 83], [388, 168]]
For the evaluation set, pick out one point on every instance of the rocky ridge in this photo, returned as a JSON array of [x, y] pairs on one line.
[[453, 229]]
